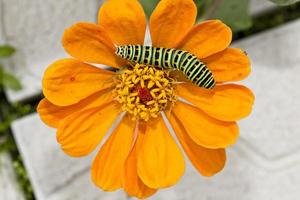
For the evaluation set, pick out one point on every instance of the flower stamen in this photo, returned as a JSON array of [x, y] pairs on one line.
[[145, 91]]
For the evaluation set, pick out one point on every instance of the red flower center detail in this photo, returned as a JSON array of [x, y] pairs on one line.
[[144, 94]]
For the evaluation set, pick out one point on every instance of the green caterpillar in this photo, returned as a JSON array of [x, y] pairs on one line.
[[167, 58]]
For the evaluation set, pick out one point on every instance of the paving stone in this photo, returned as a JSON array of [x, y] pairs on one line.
[[54, 175], [264, 164], [275, 81], [260, 6], [240, 180], [35, 28], [9, 188]]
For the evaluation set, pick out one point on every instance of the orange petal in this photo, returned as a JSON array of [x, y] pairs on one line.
[[171, 21], [226, 102], [207, 161], [207, 38], [52, 114], [229, 65], [160, 162], [204, 130], [68, 81], [90, 43], [108, 165], [132, 183], [81, 132], [124, 21]]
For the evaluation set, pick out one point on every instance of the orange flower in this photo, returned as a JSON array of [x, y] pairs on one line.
[[83, 101]]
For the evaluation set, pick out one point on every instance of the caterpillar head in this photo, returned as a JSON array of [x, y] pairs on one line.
[[121, 51]]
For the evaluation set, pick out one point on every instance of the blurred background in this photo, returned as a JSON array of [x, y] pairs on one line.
[[263, 165]]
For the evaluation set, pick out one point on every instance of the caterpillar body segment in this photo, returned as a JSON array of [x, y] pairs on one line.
[[167, 58]]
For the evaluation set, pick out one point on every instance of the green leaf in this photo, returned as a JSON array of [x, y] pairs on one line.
[[234, 13], [1, 72], [285, 2], [6, 51], [4, 125], [202, 7], [10, 81], [149, 6]]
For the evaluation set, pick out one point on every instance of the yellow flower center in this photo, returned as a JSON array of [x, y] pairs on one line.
[[145, 91]]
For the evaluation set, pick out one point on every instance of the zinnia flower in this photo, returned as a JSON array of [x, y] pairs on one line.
[[140, 155]]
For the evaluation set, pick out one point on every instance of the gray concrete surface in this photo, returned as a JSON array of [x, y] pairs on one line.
[[259, 6], [53, 174], [9, 188]]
